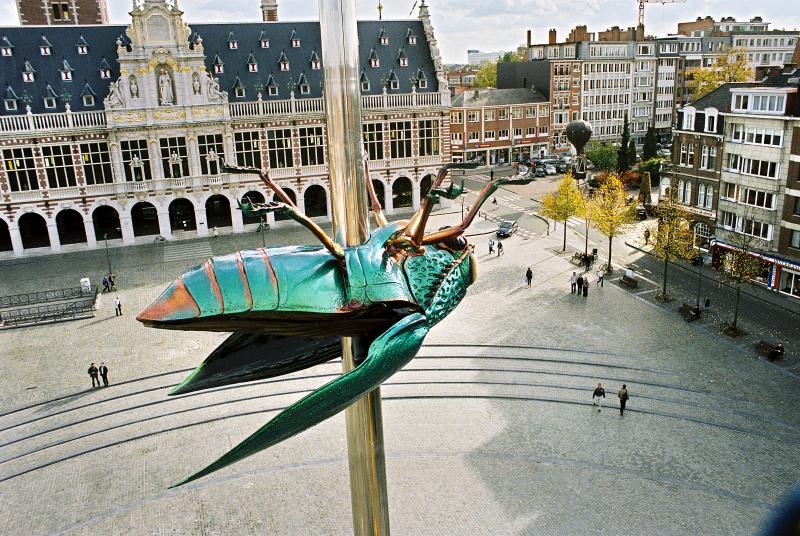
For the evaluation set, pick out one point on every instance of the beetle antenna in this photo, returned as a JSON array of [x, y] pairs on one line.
[[416, 226]]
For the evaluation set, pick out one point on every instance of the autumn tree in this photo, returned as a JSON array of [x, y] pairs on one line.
[[603, 156], [729, 67], [671, 237], [487, 75], [623, 153], [739, 266], [564, 203], [650, 146], [609, 211]]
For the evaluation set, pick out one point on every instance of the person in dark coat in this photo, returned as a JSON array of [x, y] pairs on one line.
[[598, 395], [103, 370], [585, 287], [93, 375], [623, 398], [106, 288], [500, 248], [580, 284], [529, 276]]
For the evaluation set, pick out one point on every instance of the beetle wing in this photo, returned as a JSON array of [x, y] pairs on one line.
[[245, 357]]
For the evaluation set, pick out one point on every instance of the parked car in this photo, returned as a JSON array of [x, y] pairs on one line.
[[562, 167], [550, 169], [641, 212], [507, 228], [540, 172]]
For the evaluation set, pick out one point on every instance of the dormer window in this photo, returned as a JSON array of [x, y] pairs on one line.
[[50, 103], [233, 44], [412, 37], [238, 89], [45, 46], [219, 67], [28, 72], [315, 63], [383, 38], [305, 89], [240, 93], [711, 120], [82, 46], [295, 40], [264, 43], [105, 73], [88, 101], [422, 80], [272, 90], [364, 82], [688, 119], [45, 51], [374, 62], [6, 49], [402, 58], [394, 84], [252, 66], [11, 105], [66, 72], [284, 63], [27, 77]]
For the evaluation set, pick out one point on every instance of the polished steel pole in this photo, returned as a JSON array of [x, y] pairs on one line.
[[342, 99]]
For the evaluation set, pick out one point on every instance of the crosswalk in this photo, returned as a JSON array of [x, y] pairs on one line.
[[575, 222], [186, 251]]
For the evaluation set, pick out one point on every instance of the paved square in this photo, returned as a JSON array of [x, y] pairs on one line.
[[490, 430]]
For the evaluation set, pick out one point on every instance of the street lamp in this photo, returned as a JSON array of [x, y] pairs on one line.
[[263, 232], [699, 282]]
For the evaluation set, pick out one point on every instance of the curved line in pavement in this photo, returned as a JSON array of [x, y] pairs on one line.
[[401, 397], [532, 458]]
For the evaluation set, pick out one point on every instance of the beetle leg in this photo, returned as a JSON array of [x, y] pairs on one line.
[[377, 209], [387, 354]]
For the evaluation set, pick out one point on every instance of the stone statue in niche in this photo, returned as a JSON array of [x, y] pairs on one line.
[[167, 98], [196, 83], [134, 87], [115, 97], [214, 94]]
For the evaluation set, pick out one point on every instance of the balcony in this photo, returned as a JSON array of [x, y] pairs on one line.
[[30, 123]]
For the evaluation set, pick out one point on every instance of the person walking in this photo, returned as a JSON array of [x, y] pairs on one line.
[[103, 370], [500, 248], [117, 306], [623, 398], [598, 395], [93, 375], [491, 246], [529, 276], [580, 285], [491, 178], [646, 237], [106, 288], [573, 281], [112, 281], [586, 286], [600, 275]]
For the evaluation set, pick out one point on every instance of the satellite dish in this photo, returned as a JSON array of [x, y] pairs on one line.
[[579, 132]]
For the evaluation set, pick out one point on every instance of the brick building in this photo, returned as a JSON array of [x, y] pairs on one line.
[[48, 12], [118, 132], [496, 126]]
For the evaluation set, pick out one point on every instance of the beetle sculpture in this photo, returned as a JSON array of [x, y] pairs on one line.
[[288, 307]]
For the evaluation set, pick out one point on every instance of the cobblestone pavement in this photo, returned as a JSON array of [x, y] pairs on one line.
[[490, 430]]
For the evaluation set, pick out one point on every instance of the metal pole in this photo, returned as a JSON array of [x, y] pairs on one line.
[[342, 99], [263, 232], [699, 281], [108, 257]]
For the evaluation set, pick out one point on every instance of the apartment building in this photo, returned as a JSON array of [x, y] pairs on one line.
[[496, 126], [62, 12], [119, 132], [759, 195]]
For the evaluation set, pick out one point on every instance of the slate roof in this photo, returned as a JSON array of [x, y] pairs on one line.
[[101, 40], [498, 97], [720, 98]]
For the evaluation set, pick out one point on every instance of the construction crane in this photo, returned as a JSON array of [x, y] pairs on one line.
[[643, 2]]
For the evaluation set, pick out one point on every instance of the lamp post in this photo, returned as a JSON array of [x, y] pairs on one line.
[[263, 232], [108, 257]]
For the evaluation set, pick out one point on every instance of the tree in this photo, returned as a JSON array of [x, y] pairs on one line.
[[672, 237], [739, 266], [631, 153], [653, 167], [623, 153], [564, 203], [729, 67], [609, 211], [487, 75], [646, 190], [512, 56], [650, 147], [604, 157]]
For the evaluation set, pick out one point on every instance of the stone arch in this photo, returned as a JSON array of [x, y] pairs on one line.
[[663, 188], [380, 191], [254, 196], [425, 185], [181, 215], [106, 222], [33, 230], [218, 211], [402, 192], [144, 219], [69, 223], [315, 201], [5, 236], [293, 196]]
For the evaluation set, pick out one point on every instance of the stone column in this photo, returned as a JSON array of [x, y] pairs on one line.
[[116, 162], [163, 223], [16, 240], [127, 229], [387, 195], [415, 194], [154, 153], [55, 242], [193, 153], [202, 223], [88, 225], [237, 220]]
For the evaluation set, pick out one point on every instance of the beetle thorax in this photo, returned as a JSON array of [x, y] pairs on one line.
[[438, 279]]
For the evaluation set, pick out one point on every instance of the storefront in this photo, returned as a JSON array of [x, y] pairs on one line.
[[778, 274]]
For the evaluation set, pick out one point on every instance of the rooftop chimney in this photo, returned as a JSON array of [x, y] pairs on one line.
[[552, 38], [529, 39]]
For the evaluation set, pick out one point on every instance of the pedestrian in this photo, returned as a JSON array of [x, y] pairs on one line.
[[573, 280], [585, 286], [598, 395], [491, 178], [623, 398], [646, 236], [600, 275], [494, 201], [106, 288], [93, 375], [103, 374], [499, 248], [112, 281], [529, 276], [117, 306], [491, 246], [580, 284]]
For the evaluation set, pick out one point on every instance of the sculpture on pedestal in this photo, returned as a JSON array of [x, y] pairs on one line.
[[579, 133], [166, 97], [288, 307]]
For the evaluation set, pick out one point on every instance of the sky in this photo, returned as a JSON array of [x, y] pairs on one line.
[[487, 25]]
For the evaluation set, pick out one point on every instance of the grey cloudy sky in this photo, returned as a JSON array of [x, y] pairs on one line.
[[487, 24]]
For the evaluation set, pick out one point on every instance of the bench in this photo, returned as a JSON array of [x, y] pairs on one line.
[[629, 281], [689, 312], [577, 259]]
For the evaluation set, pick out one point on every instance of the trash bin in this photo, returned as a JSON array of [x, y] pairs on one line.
[[594, 253], [86, 285]]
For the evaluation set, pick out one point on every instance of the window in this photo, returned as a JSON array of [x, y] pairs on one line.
[[757, 198], [11, 105], [429, 137], [688, 120], [60, 11], [240, 92], [88, 101], [264, 43], [373, 140], [683, 154], [247, 147], [44, 50], [66, 76], [83, 49], [365, 85], [796, 206], [252, 67], [105, 73], [729, 191], [374, 62], [795, 243], [709, 196], [295, 43], [284, 65], [233, 44], [530, 112], [516, 113], [96, 162], [6, 51], [690, 161], [740, 102], [211, 150], [403, 62], [751, 166], [305, 89], [21, 169], [312, 146], [502, 134], [279, 148], [272, 91], [755, 228], [472, 117], [728, 220], [50, 103], [531, 132], [474, 136], [400, 139], [712, 158], [174, 157], [790, 281], [517, 133], [219, 68], [58, 165], [701, 195], [457, 117], [136, 160], [704, 158], [488, 135], [488, 115], [457, 137], [422, 83], [502, 115], [711, 123], [394, 84]]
